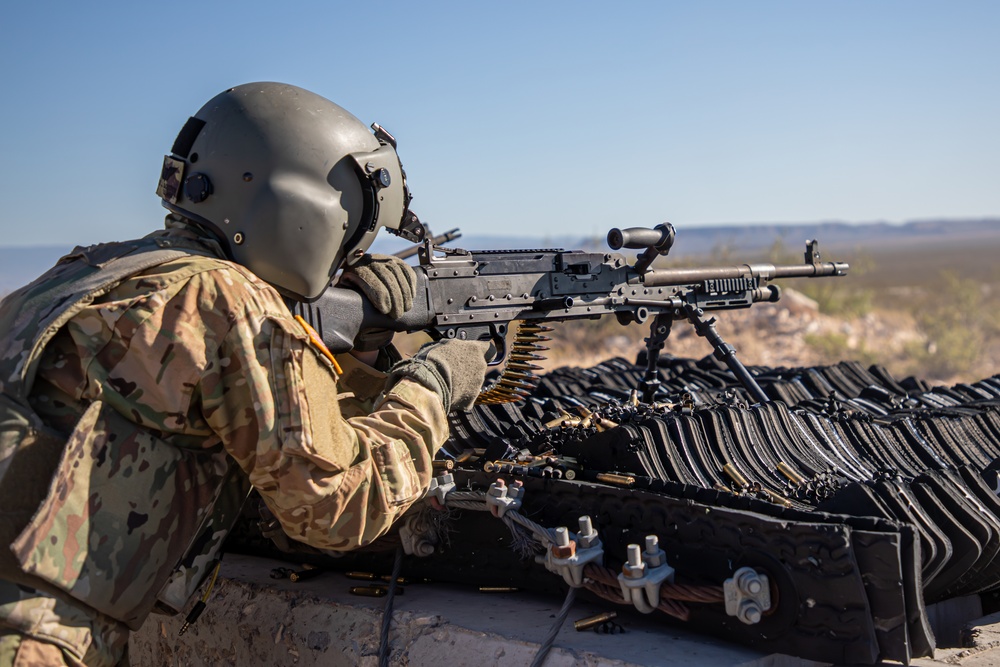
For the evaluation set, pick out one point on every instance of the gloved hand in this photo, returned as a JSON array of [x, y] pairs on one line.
[[388, 282], [454, 369]]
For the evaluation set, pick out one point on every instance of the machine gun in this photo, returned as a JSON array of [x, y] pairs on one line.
[[479, 295]]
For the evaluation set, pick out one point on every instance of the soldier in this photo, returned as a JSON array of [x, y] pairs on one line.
[[145, 386]]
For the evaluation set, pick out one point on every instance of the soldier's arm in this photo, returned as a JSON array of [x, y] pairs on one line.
[[333, 483]]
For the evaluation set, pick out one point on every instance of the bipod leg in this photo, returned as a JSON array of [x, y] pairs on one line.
[[724, 351], [659, 331]]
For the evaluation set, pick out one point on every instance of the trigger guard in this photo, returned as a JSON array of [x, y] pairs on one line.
[[498, 345]]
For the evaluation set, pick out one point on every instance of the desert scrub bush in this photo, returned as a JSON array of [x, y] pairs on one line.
[[834, 346], [958, 317]]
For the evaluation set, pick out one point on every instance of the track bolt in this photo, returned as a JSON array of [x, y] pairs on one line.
[[654, 555], [587, 536], [749, 582], [498, 489], [634, 568], [749, 612], [564, 546]]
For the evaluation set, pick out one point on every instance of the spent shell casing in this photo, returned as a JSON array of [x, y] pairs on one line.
[[614, 478], [302, 575], [361, 576], [735, 475], [594, 621], [776, 499], [443, 465], [498, 589], [791, 475], [555, 422], [373, 591]]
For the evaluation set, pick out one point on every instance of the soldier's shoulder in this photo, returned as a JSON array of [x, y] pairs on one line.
[[228, 282]]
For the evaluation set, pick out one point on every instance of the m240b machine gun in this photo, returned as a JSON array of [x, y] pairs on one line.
[[478, 295]]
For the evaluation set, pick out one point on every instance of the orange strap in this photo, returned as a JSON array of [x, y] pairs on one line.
[[319, 344]]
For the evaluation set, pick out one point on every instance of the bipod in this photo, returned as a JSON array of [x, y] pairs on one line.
[[724, 351], [659, 331]]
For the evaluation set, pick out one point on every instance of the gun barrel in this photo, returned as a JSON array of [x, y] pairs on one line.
[[812, 270], [673, 277]]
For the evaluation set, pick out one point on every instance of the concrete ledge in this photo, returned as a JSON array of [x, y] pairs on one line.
[[254, 620]]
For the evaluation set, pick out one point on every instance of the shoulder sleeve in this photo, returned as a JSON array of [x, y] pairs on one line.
[[333, 483]]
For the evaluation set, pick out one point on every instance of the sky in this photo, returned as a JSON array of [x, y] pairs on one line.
[[526, 118]]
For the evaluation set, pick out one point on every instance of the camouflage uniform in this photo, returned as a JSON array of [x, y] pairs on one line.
[[150, 412]]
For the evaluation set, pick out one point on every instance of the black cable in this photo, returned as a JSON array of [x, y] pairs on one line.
[[554, 630], [383, 646]]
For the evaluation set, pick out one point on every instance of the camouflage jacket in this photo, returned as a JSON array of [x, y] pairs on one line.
[[142, 412]]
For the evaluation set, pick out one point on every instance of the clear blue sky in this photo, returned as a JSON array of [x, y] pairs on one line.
[[540, 118]]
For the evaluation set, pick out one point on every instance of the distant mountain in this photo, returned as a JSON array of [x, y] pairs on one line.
[[749, 238], [19, 266], [832, 235]]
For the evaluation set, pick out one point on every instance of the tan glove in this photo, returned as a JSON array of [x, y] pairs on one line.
[[388, 282], [453, 369]]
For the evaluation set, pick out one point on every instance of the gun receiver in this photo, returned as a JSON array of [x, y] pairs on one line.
[[477, 295]]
